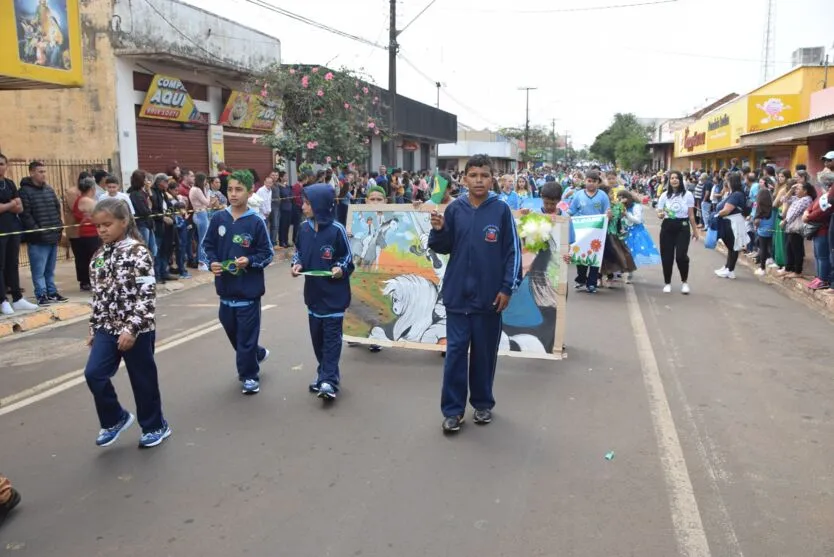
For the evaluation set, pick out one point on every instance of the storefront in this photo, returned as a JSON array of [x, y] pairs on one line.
[[170, 129], [246, 118], [40, 45], [779, 103]]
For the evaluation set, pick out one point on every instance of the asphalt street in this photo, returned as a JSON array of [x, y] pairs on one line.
[[717, 407]]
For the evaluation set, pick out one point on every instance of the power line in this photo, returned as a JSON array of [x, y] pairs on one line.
[[585, 9], [446, 92], [313, 23], [416, 17]]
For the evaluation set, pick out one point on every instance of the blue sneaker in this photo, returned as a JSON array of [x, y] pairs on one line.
[[314, 387], [185, 276], [107, 436], [266, 356], [591, 289], [154, 438], [251, 387], [327, 392]]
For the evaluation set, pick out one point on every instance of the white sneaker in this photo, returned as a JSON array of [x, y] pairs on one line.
[[759, 272], [202, 267], [667, 289], [685, 288], [24, 304], [721, 270], [724, 272], [770, 262], [6, 308]]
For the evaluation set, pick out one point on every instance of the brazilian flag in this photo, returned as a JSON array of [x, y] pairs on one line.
[[438, 191]]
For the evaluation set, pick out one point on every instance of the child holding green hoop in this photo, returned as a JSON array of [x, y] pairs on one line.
[[238, 247]]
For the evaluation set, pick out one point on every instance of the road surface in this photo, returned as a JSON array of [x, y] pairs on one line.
[[717, 407]]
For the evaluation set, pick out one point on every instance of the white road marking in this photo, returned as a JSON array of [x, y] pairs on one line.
[[686, 517], [55, 386]]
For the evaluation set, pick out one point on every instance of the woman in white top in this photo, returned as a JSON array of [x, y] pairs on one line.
[[676, 207]]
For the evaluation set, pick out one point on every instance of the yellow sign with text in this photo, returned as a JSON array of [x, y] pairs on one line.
[[765, 112], [726, 125], [250, 112], [217, 147], [167, 99], [40, 44], [692, 140]]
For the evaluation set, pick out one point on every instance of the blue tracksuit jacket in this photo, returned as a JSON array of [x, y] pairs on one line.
[[485, 254], [321, 251], [227, 239]]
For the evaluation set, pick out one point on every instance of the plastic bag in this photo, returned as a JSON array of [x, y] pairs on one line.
[[712, 238]]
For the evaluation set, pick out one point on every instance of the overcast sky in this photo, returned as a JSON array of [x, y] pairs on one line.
[[661, 60]]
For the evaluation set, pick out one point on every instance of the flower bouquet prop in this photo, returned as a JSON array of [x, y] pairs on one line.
[[534, 229]]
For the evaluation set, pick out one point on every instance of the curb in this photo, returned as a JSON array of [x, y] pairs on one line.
[[794, 288], [73, 311]]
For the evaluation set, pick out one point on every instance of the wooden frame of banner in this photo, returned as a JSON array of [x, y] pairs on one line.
[[561, 291]]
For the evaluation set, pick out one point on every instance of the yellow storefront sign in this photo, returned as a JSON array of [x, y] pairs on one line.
[[692, 140], [725, 126], [217, 147], [250, 112], [40, 44], [771, 111], [167, 99]]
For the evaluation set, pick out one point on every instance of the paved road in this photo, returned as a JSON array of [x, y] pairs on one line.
[[735, 380]]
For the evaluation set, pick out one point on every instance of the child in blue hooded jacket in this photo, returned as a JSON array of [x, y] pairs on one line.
[[323, 247], [484, 270], [238, 248]]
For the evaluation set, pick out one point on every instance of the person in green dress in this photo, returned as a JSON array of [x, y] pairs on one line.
[[783, 186]]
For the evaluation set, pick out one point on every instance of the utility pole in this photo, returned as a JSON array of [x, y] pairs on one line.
[[393, 49], [553, 141], [567, 149], [438, 93], [527, 123]]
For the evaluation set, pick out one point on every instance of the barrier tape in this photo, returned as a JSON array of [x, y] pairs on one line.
[[151, 216]]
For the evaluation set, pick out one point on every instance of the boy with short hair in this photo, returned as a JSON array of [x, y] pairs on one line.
[[590, 201], [479, 234], [238, 248], [323, 246]]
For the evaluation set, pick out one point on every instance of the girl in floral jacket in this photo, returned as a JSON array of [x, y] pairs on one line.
[[122, 326]]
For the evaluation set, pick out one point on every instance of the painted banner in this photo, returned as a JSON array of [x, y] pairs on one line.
[[40, 43], [771, 111], [250, 112], [396, 287], [590, 240], [216, 146], [167, 99]]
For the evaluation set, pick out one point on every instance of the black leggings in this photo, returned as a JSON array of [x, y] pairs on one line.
[[765, 250], [729, 240], [9, 259], [794, 252], [83, 250], [674, 246]]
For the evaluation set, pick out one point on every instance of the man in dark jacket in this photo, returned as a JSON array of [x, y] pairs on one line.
[[42, 217]]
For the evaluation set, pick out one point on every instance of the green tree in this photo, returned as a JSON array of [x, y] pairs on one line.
[[325, 115], [540, 143], [623, 142]]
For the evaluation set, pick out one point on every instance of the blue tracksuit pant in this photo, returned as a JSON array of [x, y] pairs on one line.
[[471, 356], [102, 365], [326, 334], [241, 319]]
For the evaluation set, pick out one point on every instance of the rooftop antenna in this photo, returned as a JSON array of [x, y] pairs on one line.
[[769, 43]]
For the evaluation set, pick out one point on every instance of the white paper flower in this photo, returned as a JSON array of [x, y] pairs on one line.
[[528, 229]]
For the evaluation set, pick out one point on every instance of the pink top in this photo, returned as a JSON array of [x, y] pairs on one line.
[[199, 200]]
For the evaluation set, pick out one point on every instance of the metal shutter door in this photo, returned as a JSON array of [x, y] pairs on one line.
[[162, 143], [240, 153]]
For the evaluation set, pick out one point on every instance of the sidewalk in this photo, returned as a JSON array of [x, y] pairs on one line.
[[795, 288], [79, 305]]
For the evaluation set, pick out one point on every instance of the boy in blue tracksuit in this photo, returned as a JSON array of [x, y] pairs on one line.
[[484, 270], [238, 249], [323, 245], [586, 202]]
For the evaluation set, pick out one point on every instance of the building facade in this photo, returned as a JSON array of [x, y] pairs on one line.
[[504, 151], [716, 138], [157, 79]]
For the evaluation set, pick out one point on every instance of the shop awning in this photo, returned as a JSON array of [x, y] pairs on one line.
[[191, 63], [795, 134]]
